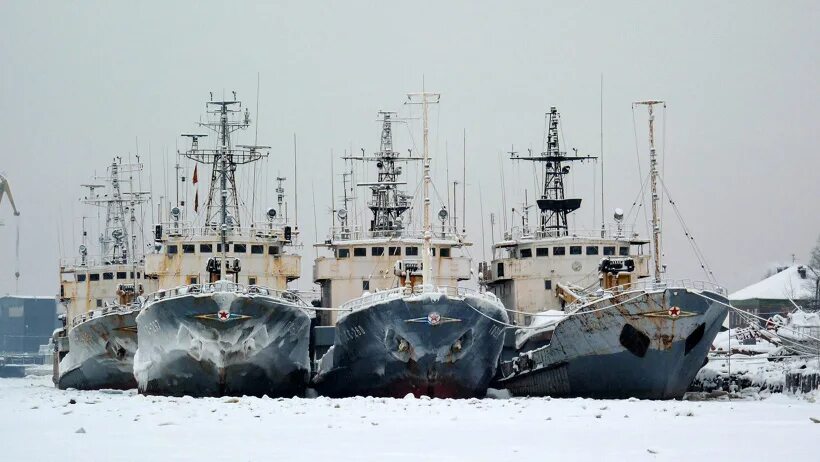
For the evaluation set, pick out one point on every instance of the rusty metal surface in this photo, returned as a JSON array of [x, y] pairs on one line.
[[101, 353], [588, 351]]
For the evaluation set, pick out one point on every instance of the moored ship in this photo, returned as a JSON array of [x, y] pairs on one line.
[[101, 293], [403, 324], [225, 322], [597, 328]]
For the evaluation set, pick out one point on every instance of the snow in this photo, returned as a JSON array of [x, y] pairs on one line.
[[39, 422], [781, 286]]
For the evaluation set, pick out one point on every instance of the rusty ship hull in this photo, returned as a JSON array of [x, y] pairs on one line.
[[101, 353], [437, 346], [223, 344], [648, 345]]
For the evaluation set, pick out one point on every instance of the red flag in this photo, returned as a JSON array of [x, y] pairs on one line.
[[196, 196], [196, 178]]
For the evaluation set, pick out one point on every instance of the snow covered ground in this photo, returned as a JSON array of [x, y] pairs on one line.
[[38, 422]]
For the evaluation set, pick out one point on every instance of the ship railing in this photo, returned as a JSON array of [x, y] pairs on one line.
[[267, 230], [617, 231], [226, 286], [352, 233], [89, 315], [95, 260], [398, 292], [649, 284]]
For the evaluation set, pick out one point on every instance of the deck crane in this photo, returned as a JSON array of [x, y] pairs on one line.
[[5, 189]]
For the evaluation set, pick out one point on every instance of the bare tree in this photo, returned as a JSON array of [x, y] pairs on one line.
[[814, 273]]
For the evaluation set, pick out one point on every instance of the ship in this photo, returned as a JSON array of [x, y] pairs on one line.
[[596, 317], [100, 293], [224, 321], [402, 324]]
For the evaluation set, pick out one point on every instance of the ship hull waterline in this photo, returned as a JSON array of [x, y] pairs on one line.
[[437, 346], [650, 347], [101, 354], [223, 344]]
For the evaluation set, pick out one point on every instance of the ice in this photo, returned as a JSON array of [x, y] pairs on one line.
[[129, 426]]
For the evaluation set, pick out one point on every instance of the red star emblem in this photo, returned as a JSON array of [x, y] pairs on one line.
[[224, 315], [674, 312], [433, 319]]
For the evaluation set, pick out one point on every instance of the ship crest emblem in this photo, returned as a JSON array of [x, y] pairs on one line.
[[222, 316], [673, 312], [434, 319]]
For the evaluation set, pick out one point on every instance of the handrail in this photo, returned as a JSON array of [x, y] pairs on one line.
[[225, 286], [612, 231], [351, 233], [398, 292], [113, 309]]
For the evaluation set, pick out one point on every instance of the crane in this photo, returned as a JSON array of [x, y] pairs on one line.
[[5, 189]]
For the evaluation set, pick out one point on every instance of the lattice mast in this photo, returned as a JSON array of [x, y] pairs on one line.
[[387, 202], [117, 242], [228, 117], [553, 204]]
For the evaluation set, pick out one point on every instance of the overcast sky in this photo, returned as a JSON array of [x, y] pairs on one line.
[[81, 82]]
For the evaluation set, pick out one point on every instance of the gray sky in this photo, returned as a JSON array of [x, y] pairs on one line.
[[82, 81]]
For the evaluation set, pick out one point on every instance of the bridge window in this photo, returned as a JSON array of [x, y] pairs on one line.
[[547, 284], [343, 253], [623, 251], [251, 280], [411, 251], [81, 278], [108, 276], [273, 250], [542, 252], [394, 251], [609, 250], [172, 249], [377, 251], [122, 274], [188, 248], [359, 251], [444, 252], [500, 270], [526, 253], [219, 247], [559, 250], [93, 277], [257, 249], [592, 250], [206, 248], [365, 285], [575, 250], [240, 248]]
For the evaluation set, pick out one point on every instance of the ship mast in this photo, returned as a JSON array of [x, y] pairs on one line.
[[653, 181], [553, 204], [426, 99]]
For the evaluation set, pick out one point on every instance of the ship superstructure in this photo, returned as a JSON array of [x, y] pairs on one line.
[[403, 325], [385, 252], [100, 291], [617, 337], [223, 321]]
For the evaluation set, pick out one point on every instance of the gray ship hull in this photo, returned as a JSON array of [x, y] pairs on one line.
[[450, 350], [101, 353], [650, 348], [223, 343]]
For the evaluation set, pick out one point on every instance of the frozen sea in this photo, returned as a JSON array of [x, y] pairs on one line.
[[39, 422]]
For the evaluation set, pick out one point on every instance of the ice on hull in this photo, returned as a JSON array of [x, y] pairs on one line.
[[435, 345], [650, 347], [101, 353], [223, 344]]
